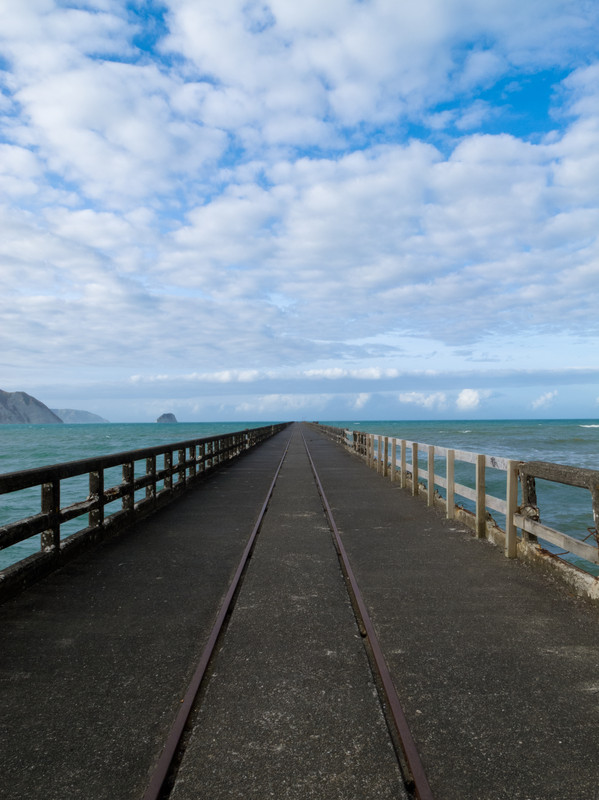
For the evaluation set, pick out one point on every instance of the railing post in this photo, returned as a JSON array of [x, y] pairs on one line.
[[193, 469], [96, 490], [529, 504], [415, 469], [450, 510], [386, 457], [393, 459], [403, 477], [151, 471], [511, 496], [182, 471], [50, 538], [379, 454], [128, 502], [481, 500], [430, 493], [168, 470]]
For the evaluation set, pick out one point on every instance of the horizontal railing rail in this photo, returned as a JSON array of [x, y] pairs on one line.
[[166, 471], [401, 460]]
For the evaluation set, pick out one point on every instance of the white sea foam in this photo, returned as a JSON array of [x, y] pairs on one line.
[[589, 426]]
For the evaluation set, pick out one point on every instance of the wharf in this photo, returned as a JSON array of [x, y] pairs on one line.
[[496, 666]]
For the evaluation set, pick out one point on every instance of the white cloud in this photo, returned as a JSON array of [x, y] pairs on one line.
[[217, 205], [362, 400], [434, 400], [545, 399], [280, 405], [470, 399], [365, 373]]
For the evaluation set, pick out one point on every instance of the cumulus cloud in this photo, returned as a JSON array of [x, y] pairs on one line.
[[429, 401], [470, 399], [330, 188], [545, 399], [361, 400]]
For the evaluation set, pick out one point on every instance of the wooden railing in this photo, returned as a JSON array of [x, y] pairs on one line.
[[158, 474], [400, 460]]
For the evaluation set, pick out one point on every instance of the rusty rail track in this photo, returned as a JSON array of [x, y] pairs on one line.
[[421, 785], [416, 783], [166, 760]]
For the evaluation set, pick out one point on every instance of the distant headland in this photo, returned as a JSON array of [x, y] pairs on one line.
[[20, 408], [74, 416]]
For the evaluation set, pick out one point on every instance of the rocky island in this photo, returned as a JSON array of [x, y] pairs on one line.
[[167, 418]]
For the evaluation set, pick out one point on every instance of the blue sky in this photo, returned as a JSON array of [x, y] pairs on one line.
[[359, 209]]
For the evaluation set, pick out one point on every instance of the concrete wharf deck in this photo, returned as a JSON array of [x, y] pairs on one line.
[[496, 666]]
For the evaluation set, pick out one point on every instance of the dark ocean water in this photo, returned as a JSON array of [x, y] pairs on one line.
[[574, 442]]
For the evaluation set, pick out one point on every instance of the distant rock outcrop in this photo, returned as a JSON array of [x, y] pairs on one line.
[[167, 418], [21, 408], [72, 415]]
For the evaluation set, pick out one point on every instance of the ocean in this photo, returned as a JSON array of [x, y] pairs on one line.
[[574, 442]]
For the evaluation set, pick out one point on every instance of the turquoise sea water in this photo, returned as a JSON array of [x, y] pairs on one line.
[[574, 442]]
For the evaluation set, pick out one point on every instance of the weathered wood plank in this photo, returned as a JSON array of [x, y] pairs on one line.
[[559, 539]]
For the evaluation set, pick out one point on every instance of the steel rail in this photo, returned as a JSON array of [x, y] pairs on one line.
[[163, 765], [421, 785]]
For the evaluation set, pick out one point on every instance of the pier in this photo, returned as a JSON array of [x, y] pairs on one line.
[[290, 623]]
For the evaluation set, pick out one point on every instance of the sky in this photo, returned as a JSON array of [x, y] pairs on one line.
[[341, 210]]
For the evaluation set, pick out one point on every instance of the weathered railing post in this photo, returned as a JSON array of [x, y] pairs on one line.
[[529, 507], [415, 469], [386, 457], [50, 538], [128, 501], [182, 471], [511, 496], [168, 470], [96, 491], [450, 494], [403, 475], [151, 473], [430, 494], [481, 500], [393, 459]]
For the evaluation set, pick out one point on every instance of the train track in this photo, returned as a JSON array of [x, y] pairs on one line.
[[411, 768]]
